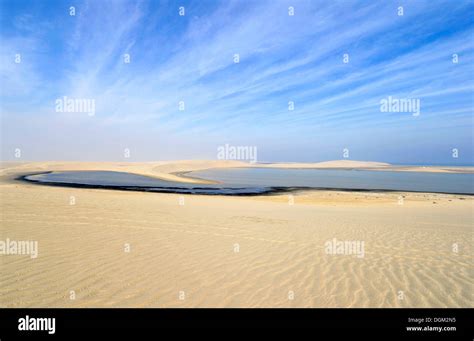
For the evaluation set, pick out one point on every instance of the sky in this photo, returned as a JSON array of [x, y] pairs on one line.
[[297, 80]]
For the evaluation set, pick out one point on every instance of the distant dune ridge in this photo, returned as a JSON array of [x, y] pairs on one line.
[[102, 248], [329, 164]]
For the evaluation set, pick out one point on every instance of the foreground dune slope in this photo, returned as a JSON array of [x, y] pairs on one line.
[[211, 251]]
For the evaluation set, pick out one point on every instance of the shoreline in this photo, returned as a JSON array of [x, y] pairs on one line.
[[184, 175], [272, 190], [178, 171]]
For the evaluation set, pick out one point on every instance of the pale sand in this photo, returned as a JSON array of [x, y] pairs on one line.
[[162, 170], [191, 248], [368, 165]]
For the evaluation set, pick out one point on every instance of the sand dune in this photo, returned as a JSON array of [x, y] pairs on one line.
[[368, 165], [163, 170], [267, 251]]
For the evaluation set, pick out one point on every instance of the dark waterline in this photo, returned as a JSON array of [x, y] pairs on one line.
[[262, 181], [134, 182]]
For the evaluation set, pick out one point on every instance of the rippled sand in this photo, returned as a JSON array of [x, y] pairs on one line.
[[215, 251]]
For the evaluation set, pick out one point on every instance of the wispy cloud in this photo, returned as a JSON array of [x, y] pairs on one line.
[[283, 58]]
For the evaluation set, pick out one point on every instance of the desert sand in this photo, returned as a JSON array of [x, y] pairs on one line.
[[134, 249], [369, 165]]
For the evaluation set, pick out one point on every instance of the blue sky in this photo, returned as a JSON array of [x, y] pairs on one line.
[[283, 58]]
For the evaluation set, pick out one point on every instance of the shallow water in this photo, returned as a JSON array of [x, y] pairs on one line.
[[248, 181], [344, 179], [129, 181]]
